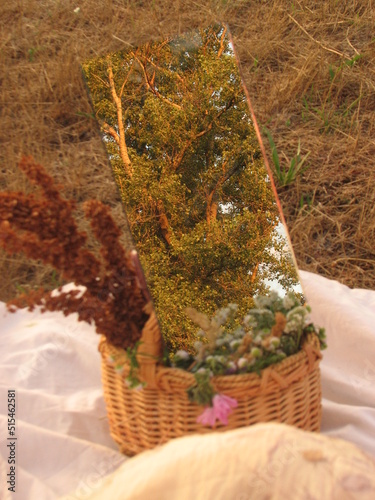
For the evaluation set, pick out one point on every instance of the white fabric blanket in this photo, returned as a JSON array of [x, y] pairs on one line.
[[63, 443]]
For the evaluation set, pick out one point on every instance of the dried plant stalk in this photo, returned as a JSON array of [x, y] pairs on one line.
[[45, 229]]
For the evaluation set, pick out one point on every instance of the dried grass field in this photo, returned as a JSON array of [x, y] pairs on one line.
[[310, 70]]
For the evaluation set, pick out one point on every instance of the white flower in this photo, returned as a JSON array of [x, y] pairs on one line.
[[289, 301], [295, 319], [275, 342], [205, 370], [221, 316], [271, 343], [258, 339], [249, 321], [266, 301], [256, 352], [235, 344], [242, 363], [76, 10], [197, 345], [299, 311], [231, 367], [291, 326], [281, 353], [182, 354], [239, 333], [220, 342]]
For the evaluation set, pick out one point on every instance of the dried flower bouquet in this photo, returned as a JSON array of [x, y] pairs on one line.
[[43, 227]]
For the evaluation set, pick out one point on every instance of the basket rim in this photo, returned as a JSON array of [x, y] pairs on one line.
[[275, 377]]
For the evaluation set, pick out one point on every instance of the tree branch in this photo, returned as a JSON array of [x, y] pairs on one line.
[[125, 81], [111, 131], [121, 135], [254, 273], [164, 70], [221, 50], [151, 86]]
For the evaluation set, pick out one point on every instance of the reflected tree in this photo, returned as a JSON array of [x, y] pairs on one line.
[[186, 159]]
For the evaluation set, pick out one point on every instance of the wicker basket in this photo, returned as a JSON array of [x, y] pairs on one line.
[[288, 392]]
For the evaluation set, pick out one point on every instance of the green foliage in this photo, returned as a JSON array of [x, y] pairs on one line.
[[351, 62], [320, 332], [132, 379], [306, 202], [32, 53], [20, 289], [203, 392], [286, 176], [333, 108]]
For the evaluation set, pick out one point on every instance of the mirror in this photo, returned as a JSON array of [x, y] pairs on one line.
[[183, 149]]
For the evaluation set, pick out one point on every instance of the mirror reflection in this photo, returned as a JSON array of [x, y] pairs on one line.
[[177, 128]]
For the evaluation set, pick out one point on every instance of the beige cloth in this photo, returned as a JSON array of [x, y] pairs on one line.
[[266, 461]]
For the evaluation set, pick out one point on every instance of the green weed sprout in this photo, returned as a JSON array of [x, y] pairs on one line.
[[296, 164]]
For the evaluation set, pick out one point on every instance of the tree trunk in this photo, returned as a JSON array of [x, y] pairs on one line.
[[164, 223], [211, 210]]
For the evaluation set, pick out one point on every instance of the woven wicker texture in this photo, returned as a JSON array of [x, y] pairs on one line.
[[288, 392]]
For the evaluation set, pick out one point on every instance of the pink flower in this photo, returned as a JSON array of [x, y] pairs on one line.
[[208, 417], [220, 410]]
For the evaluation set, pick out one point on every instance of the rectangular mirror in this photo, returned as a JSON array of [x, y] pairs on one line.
[[185, 155]]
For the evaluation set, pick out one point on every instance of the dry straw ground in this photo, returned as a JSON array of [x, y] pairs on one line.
[[310, 70]]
